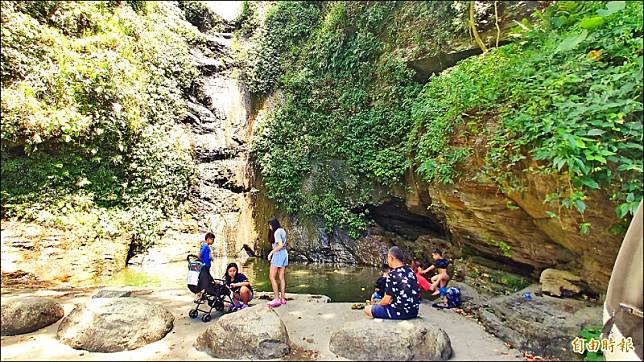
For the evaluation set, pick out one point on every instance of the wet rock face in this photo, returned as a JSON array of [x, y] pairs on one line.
[[410, 340], [53, 255], [308, 241], [478, 216], [25, 315], [114, 324], [252, 333], [543, 326], [219, 108], [220, 200]]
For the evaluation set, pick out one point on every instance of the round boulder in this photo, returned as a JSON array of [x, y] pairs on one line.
[[114, 324], [25, 315], [561, 283], [389, 340], [252, 333]]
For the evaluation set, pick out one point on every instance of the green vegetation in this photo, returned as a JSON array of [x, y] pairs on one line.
[[503, 246], [198, 14], [91, 102], [563, 99], [566, 95], [587, 334], [512, 282]]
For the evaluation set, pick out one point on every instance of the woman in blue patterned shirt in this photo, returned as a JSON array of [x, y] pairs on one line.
[[402, 296]]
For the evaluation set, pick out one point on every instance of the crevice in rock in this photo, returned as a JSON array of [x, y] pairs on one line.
[[499, 262], [208, 156], [394, 216], [227, 184]]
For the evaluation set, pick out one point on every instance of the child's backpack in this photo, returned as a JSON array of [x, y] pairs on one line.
[[453, 297]]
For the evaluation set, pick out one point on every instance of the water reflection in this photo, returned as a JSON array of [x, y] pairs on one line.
[[340, 283]]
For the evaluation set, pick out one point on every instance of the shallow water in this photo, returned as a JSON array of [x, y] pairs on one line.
[[342, 283]]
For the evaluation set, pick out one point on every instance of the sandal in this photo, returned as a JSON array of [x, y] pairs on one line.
[[274, 303]]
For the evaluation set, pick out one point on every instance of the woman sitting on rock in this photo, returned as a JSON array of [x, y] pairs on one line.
[[239, 284]]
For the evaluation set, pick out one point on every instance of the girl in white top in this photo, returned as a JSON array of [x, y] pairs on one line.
[[279, 260]]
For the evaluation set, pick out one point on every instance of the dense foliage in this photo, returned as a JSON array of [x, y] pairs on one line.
[[341, 129], [91, 101], [568, 94], [563, 99], [198, 14]]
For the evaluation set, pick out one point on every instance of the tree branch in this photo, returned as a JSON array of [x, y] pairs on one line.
[[473, 27], [496, 21]]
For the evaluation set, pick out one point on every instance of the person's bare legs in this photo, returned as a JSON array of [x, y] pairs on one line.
[[367, 311], [244, 294], [282, 284], [272, 274]]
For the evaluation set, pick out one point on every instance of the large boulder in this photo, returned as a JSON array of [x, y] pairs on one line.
[[252, 333], [24, 315], [561, 283], [114, 324], [389, 340], [543, 326]]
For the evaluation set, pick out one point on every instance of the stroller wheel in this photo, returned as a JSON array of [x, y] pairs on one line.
[[206, 318], [193, 313]]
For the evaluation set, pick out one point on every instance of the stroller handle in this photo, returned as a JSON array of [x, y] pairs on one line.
[[193, 257]]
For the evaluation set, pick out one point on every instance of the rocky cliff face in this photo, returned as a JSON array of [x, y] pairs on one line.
[[465, 218], [470, 217], [221, 198], [35, 254]]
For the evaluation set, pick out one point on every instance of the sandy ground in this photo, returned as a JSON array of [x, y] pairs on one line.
[[309, 326]]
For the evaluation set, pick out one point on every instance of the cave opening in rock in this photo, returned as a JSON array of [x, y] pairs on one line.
[[395, 217]]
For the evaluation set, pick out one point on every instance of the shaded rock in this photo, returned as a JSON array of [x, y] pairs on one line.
[[462, 46], [560, 283], [478, 217], [594, 252], [111, 293], [253, 333], [25, 315], [114, 324], [543, 326], [426, 67], [390, 340], [395, 216]]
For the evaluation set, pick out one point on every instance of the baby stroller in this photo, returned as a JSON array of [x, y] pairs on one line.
[[215, 292]]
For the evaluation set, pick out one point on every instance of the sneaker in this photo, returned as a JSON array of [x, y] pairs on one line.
[[275, 303], [283, 301], [243, 305]]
